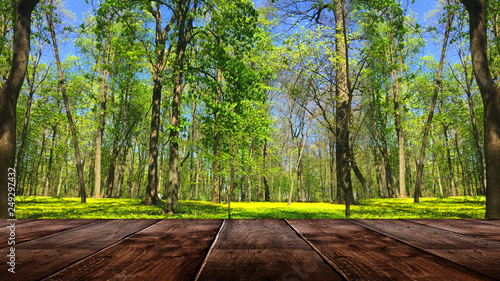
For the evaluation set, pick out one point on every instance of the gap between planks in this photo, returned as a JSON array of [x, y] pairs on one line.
[[204, 262], [325, 258]]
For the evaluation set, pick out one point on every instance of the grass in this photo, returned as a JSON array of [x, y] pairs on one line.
[[428, 208]]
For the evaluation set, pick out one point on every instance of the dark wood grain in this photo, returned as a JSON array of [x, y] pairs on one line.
[[41, 257], [39, 228], [467, 227], [476, 253], [263, 250], [363, 254], [168, 250], [494, 222]]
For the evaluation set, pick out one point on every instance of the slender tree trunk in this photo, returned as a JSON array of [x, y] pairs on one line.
[[100, 136], [79, 168], [22, 142], [130, 172], [301, 152], [49, 167], [331, 143], [118, 167], [58, 192], [290, 175], [39, 162], [401, 191], [266, 185], [468, 90], [9, 94], [359, 175], [420, 167], [450, 167], [249, 180], [259, 187], [216, 153], [192, 171], [322, 176], [39, 165], [31, 91], [197, 178]]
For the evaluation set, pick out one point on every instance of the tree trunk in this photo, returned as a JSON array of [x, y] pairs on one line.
[[192, 171], [450, 167], [9, 93], [130, 172], [331, 143], [151, 197], [343, 106], [468, 90], [290, 175], [401, 191], [49, 167], [31, 91], [79, 168], [184, 27], [100, 136], [40, 161], [216, 150], [197, 178], [118, 167], [358, 173], [420, 168]]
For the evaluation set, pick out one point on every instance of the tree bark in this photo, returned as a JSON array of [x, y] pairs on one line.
[[118, 166], [216, 150], [491, 101], [266, 185], [420, 168], [343, 106], [100, 136], [9, 93], [401, 191], [184, 28], [151, 197], [450, 166], [49, 167]]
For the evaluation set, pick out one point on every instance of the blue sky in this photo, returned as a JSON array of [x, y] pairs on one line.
[[420, 8]]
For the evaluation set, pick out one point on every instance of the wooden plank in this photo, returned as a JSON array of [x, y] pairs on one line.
[[478, 254], [39, 228], [263, 250], [363, 254], [468, 227], [41, 257], [494, 222], [168, 250], [4, 223]]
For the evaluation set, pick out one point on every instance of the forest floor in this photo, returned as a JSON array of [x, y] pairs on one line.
[[428, 208]]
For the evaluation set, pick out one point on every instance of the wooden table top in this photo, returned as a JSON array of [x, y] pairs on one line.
[[271, 249]]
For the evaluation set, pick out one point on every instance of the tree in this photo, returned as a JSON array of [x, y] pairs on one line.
[[79, 167], [9, 93], [420, 168], [491, 101], [34, 83]]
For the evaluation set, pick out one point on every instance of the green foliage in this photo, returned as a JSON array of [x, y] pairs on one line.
[[429, 208]]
